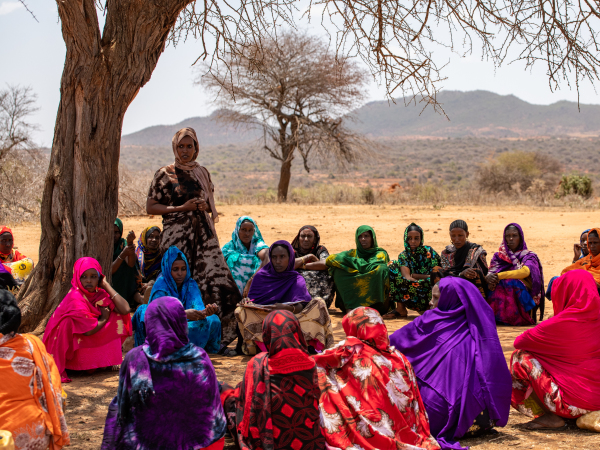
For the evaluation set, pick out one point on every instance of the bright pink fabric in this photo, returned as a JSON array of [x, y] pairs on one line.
[[109, 354], [77, 314], [568, 344]]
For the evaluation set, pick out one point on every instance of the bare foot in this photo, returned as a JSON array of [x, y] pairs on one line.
[[547, 421], [115, 368]]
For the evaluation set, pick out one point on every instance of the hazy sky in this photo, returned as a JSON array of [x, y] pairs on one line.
[[33, 54]]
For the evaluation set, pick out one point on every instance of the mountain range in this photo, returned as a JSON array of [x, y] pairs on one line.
[[479, 114]]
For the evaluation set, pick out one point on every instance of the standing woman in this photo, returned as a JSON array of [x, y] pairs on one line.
[[182, 193], [318, 281]]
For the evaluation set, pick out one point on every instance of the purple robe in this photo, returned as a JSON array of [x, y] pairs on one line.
[[457, 358], [168, 395], [269, 286], [505, 259]]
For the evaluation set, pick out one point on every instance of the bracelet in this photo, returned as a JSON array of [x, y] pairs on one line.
[[113, 297]]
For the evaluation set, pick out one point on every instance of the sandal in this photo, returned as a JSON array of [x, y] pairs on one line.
[[394, 315], [231, 353]]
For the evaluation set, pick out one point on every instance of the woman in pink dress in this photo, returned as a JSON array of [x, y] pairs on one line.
[[89, 326]]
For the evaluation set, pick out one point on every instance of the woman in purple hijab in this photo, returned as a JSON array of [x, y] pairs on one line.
[[515, 280], [278, 286], [168, 397], [461, 371]]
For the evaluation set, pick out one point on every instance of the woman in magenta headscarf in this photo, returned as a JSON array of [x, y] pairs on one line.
[[556, 367], [515, 280], [278, 286], [89, 326], [460, 367]]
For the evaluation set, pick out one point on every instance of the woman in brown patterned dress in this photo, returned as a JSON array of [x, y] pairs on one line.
[[182, 193]]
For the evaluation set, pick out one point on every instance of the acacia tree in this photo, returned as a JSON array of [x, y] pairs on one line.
[[297, 92], [104, 70]]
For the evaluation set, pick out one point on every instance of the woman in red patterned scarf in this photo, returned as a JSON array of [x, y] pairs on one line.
[[276, 405], [369, 394]]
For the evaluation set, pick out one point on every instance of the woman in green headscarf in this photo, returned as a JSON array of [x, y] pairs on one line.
[[361, 274], [126, 277]]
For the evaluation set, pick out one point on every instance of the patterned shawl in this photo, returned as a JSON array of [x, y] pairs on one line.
[[505, 259], [78, 313], [269, 286], [369, 395], [148, 260], [421, 260], [316, 249], [200, 173], [590, 262], [242, 261], [470, 374], [279, 389], [145, 414]]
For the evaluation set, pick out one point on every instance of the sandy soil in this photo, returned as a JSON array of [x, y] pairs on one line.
[[549, 232]]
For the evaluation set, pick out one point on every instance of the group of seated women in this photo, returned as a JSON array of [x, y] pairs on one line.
[[438, 380]]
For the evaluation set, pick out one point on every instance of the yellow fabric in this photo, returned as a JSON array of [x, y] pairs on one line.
[[519, 274], [6, 440], [32, 409]]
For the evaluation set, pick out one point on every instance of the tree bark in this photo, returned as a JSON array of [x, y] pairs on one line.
[[101, 77], [284, 180]]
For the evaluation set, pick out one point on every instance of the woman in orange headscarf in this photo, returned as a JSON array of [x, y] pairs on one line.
[[591, 262], [182, 193]]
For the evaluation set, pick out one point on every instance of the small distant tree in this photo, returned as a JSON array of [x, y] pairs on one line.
[[297, 91], [517, 171], [17, 103]]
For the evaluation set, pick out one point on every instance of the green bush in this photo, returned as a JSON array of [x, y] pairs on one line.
[[575, 185]]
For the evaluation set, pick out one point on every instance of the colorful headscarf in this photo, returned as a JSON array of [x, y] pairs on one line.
[[505, 259], [200, 173], [78, 313], [14, 255], [470, 374], [589, 263], [567, 344], [583, 255], [316, 248], [148, 260], [242, 261], [258, 413], [269, 286], [420, 260], [370, 385], [150, 374], [165, 285]]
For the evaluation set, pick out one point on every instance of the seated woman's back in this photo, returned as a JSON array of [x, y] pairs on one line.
[[168, 395], [277, 401], [457, 358]]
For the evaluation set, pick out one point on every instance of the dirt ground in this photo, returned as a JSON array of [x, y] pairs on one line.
[[551, 233]]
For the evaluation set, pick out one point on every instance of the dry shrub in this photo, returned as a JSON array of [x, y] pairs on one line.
[[515, 172], [22, 177], [133, 191]]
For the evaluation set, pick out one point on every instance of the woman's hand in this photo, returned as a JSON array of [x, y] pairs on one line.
[[469, 273], [310, 258], [280, 307], [193, 314], [130, 238], [104, 315], [190, 205], [576, 252], [492, 280], [211, 309]]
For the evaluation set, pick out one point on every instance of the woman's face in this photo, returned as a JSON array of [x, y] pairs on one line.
[[178, 272], [246, 233], [414, 239], [593, 244], [6, 243], [307, 240], [459, 237], [583, 243], [366, 240], [117, 234], [513, 240], [89, 280], [280, 259], [435, 297], [153, 240], [186, 149]]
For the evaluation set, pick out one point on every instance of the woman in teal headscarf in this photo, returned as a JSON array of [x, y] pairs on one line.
[[126, 278], [246, 252], [361, 275], [204, 328]]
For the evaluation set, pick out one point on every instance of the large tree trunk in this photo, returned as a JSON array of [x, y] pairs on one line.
[[284, 180], [101, 77]]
